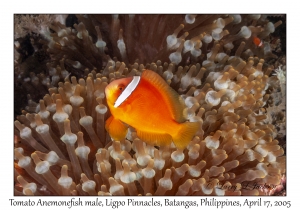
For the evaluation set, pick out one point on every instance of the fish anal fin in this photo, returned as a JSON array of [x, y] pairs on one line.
[[158, 139], [174, 102], [185, 134], [116, 128]]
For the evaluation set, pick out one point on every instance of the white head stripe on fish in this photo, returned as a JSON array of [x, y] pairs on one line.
[[127, 91]]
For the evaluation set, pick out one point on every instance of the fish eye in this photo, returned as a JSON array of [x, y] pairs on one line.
[[121, 87]]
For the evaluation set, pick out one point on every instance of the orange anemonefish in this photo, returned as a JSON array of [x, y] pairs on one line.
[[148, 104], [257, 41]]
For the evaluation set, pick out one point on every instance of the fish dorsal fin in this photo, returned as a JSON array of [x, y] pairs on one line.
[[174, 102]]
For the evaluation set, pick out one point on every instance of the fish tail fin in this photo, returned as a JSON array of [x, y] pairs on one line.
[[116, 129], [185, 134]]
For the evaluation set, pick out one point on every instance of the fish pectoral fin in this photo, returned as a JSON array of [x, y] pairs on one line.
[[158, 139], [116, 128], [185, 134]]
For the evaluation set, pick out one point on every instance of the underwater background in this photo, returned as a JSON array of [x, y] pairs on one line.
[[230, 71]]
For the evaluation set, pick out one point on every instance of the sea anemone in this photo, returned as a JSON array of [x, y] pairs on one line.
[[224, 77]]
